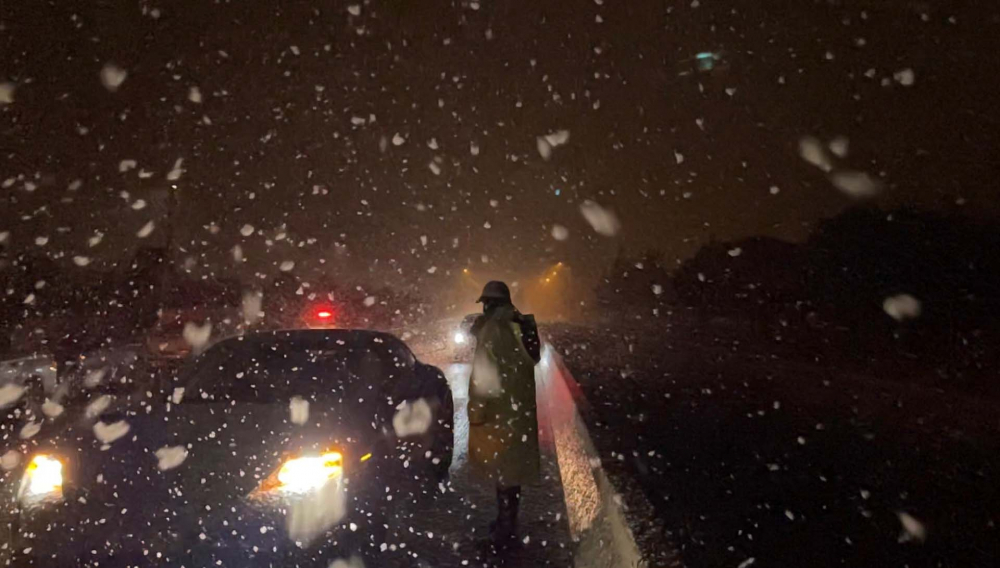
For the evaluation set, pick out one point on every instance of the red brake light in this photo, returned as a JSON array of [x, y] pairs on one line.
[[324, 314]]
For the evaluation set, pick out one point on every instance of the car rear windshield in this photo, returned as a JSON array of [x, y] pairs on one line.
[[276, 369]]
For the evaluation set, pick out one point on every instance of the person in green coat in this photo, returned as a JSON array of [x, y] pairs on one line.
[[503, 417]]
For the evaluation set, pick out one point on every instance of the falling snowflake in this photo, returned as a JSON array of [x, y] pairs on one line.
[[299, 409], [913, 530], [560, 233], [839, 146], [397, 140], [197, 335], [252, 303], [194, 95], [548, 142], [81, 260], [858, 185], [108, 433], [169, 457], [112, 76], [51, 409], [412, 417], [287, 266], [146, 230], [29, 430], [98, 406], [905, 77], [369, 301], [10, 460], [175, 173], [9, 394], [7, 93], [603, 221], [902, 307], [246, 230], [813, 152], [177, 395]]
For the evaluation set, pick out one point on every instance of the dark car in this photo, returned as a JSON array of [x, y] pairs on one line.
[[261, 451]]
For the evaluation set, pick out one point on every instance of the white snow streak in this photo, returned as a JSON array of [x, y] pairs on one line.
[[858, 185], [29, 430], [412, 418], [107, 433], [902, 307], [197, 335], [97, 406], [603, 221], [813, 152], [839, 146], [299, 409], [913, 530], [170, 457], [146, 230], [905, 77], [10, 460], [51, 408], [9, 394], [7, 92], [112, 76], [175, 173]]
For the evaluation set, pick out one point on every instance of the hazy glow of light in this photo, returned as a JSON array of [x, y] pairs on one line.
[[308, 473], [43, 475]]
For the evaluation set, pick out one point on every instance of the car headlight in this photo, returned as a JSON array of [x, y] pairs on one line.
[[309, 472], [43, 478], [459, 338]]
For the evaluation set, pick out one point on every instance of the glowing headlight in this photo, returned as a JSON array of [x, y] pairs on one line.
[[307, 473], [42, 477], [459, 337]]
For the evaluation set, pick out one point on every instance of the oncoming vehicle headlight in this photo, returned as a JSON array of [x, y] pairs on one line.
[[309, 472], [459, 338], [42, 478]]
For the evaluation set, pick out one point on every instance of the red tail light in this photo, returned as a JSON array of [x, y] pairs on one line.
[[324, 314]]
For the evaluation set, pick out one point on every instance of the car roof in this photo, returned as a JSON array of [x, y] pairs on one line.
[[319, 339]]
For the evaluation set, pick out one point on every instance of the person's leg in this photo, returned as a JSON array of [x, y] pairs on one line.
[[508, 503]]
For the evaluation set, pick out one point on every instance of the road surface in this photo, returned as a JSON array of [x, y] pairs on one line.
[[731, 455], [449, 530]]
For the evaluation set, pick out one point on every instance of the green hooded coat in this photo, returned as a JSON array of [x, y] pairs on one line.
[[503, 416]]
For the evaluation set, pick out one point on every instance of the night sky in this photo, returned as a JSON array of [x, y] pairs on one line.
[[316, 124]]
